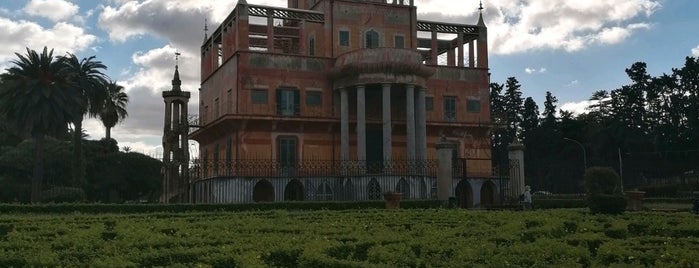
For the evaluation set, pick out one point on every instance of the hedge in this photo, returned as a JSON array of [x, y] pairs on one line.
[[176, 208]]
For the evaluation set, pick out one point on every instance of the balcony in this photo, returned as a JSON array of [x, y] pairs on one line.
[[371, 64]]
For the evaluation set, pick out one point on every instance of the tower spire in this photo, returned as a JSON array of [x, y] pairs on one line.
[[480, 14], [176, 83]]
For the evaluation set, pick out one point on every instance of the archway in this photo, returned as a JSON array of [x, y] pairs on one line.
[[488, 197], [348, 190], [294, 191], [263, 192], [404, 188], [324, 192], [374, 189], [464, 195]]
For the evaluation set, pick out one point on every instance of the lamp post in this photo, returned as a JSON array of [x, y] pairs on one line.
[[581, 147]]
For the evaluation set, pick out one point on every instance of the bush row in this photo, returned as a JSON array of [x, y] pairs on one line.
[[177, 208], [353, 238]]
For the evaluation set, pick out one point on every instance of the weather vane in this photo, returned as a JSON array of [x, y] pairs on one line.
[[177, 57], [480, 6]]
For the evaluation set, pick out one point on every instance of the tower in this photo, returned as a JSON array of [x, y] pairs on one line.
[[175, 142]]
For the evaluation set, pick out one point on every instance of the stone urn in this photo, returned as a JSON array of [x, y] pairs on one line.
[[635, 200], [392, 199]]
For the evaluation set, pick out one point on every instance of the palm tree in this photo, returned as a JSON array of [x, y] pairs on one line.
[[36, 97], [89, 81], [114, 110]]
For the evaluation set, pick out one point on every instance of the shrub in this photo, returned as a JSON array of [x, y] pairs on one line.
[[603, 191], [601, 180], [606, 203], [63, 195]]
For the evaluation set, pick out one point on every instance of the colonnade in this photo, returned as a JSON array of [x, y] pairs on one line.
[[415, 120]]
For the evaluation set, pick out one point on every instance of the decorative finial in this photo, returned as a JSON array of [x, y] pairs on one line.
[[177, 58], [206, 29], [480, 6]]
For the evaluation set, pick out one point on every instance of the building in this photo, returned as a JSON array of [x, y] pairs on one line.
[[341, 100]]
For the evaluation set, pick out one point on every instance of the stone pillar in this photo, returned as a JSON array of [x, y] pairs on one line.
[[471, 56], [433, 48], [167, 128], [344, 125], [270, 32], [460, 44], [386, 109], [516, 157], [420, 125], [444, 170], [361, 124], [410, 121]]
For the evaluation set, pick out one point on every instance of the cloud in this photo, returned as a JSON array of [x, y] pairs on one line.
[[577, 108], [55, 10], [568, 25], [695, 51], [63, 37], [572, 83], [154, 69], [530, 70]]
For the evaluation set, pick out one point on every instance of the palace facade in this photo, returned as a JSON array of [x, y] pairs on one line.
[[296, 101]]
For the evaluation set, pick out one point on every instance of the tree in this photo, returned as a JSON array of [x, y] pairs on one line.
[[513, 107], [530, 117], [114, 110], [90, 87], [549, 110], [36, 98]]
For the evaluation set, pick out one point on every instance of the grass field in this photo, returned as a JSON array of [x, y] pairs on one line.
[[351, 238]]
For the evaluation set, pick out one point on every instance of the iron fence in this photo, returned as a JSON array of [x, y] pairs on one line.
[[318, 168]]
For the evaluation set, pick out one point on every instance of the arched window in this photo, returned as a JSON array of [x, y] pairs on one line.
[[374, 189], [372, 39], [324, 192]]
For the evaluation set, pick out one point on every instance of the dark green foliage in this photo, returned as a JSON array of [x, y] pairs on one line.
[[603, 191], [606, 203], [63, 195], [601, 180], [178, 208]]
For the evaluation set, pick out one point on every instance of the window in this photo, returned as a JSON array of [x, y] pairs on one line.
[[429, 103], [287, 155], [295, 4], [344, 38], [314, 98], [473, 106], [259, 96], [399, 41], [312, 46], [324, 192], [450, 108], [372, 39], [288, 102]]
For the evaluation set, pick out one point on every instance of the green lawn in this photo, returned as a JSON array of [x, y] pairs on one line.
[[351, 238]]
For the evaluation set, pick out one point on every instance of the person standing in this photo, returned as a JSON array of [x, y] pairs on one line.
[[526, 198]]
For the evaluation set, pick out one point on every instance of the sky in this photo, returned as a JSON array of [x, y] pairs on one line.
[[568, 47]]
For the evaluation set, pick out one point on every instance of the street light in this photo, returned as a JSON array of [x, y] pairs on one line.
[[583, 150]]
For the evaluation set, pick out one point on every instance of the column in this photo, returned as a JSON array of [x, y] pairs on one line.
[[434, 46], [344, 125], [471, 56], [386, 108], [444, 170], [167, 130], [361, 124], [270, 32], [460, 44], [420, 125], [410, 120]]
